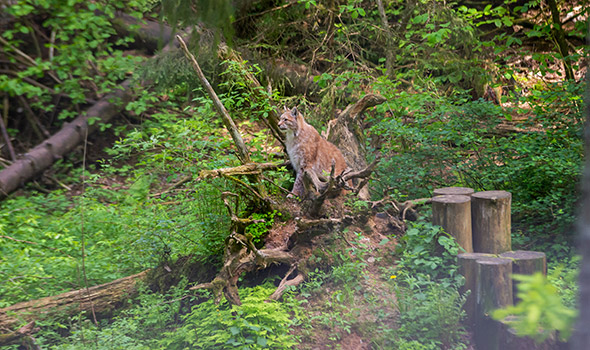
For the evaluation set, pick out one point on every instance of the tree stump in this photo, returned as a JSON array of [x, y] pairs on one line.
[[494, 290], [453, 213], [464, 191], [468, 269], [525, 263], [490, 219]]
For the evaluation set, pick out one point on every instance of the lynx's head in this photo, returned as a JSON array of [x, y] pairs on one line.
[[289, 119]]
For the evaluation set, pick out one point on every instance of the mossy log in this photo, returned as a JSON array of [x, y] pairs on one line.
[[525, 263], [490, 217], [467, 263], [493, 291], [453, 213], [464, 191], [99, 300]]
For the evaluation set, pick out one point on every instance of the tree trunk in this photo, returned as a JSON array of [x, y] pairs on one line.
[[100, 300], [581, 336], [560, 38], [346, 132], [453, 213], [490, 217]]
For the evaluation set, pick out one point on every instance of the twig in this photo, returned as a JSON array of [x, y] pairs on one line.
[[180, 182], [39, 129], [267, 11], [7, 139], [27, 58]]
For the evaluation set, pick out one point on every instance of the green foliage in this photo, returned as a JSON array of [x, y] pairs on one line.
[[84, 57], [436, 141], [256, 324], [259, 230], [427, 253], [540, 310], [429, 318], [41, 236], [215, 14], [138, 327]]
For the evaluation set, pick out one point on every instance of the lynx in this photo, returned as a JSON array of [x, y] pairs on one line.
[[308, 151]]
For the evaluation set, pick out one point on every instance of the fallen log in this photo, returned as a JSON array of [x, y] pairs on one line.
[[64, 141], [101, 300], [44, 155]]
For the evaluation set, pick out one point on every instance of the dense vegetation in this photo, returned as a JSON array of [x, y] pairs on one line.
[[485, 96]]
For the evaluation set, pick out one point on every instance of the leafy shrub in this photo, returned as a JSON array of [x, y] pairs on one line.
[[430, 318], [540, 310], [256, 324], [427, 252]]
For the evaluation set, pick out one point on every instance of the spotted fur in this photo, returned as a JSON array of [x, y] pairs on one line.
[[308, 151]]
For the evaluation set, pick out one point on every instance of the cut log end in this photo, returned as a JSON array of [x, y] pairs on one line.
[[464, 191]]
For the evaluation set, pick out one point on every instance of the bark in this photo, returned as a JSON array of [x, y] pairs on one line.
[[560, 38], [64, 141], [346, 132], [389, 54], [468, 269], [493, 291], [101, 300], [246, 169], [490, 217], [20, 336], [453, 213], [149, 35]]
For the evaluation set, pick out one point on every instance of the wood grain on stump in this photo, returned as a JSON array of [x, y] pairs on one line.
[[467, 263], [464, 191], [494, 291], [453, 213], [490, 219], [525, 263]]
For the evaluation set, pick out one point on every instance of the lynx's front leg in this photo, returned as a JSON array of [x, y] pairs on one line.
[[297, 186]]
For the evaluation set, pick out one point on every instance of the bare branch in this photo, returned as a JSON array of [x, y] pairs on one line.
[[243, 154]]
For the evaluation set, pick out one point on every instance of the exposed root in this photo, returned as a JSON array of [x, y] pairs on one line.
[[285, 283]]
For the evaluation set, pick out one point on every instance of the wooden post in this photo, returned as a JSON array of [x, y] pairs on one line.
[[453, 213], [464, 191], [490, 217], [525, 263], [494, 290], [467, 263]]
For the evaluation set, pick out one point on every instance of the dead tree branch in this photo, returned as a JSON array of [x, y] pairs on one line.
[[22, 336], [243, 153]]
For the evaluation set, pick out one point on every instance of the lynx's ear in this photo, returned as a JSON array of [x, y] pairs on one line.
[[294, 112]]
